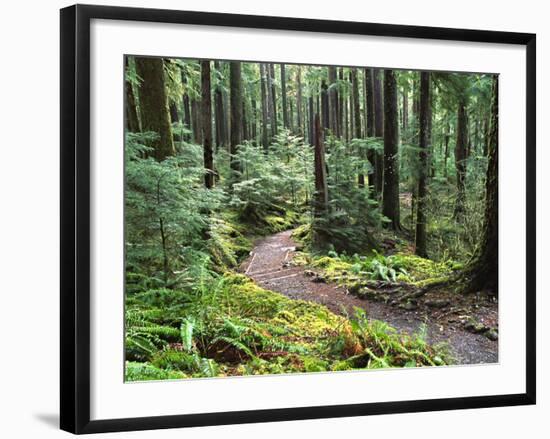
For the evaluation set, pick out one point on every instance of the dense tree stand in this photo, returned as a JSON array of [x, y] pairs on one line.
[[265, 206]]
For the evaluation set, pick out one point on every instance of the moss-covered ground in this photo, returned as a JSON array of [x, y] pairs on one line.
[[238, 328]]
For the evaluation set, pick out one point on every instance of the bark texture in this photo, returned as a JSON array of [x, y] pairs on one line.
[[206, 101], [424, 135], [154, 105], [390, 206], [378, 174], [321, 188], [460, 158], [483, 271], [236, 92], [284, 97], [132, 120]]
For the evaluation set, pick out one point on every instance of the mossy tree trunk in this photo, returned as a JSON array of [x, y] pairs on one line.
[[154, 105], [460, 158], [132, 120], [482, 273], [390, 206], [424, 135]]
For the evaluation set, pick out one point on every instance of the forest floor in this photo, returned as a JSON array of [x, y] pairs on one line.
[[270, 266]]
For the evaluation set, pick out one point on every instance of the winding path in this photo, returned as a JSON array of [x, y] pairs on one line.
[[268, 265]]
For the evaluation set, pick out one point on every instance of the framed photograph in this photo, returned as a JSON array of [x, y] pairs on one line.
[[273, 218]]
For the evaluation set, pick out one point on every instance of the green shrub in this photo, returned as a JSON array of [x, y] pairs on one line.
[[147, 372]]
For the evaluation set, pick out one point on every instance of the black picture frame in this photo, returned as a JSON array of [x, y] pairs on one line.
[[75, 217]]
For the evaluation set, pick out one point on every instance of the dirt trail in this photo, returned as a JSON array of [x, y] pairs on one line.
[[269, 267]]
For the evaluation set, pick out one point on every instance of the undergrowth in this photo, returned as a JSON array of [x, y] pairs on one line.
[[230, 326], [400, 267]]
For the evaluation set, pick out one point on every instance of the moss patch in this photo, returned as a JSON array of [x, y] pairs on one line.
[[242, 329], [400, 267]]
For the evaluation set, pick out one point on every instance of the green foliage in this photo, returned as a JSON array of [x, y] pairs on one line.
[[166, 208], [236, 327], [352, 211], [375, 266], [271, 187], [189, 315], [147, 372], [386, 348]]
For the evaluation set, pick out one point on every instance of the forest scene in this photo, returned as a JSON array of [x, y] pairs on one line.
[[286, 218]]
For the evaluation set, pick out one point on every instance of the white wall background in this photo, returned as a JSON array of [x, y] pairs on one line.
[[29, 250]]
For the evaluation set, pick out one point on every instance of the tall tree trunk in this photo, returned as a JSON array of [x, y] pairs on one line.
[[460, 159], [356, 104], [431, 154], [446, 158], [425, 113], [365, 105], [321, 188], [154, 105], [333, 101], [132, 120], [274, 121], [378, 104], [390, 206], [186, 103], [219, 113], [357, 118], [345, 119], [173, 112], [378, 174], [254, 121], [283, 96], [265, 110], [486, 127], [291, 117], [299, 100], [369, 124], [311, 122], [341, 103], [482, 273], [351, 107], [236, 95], [196, 121], [325, 106], [206, 101], [405, 109], [245, 134]]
